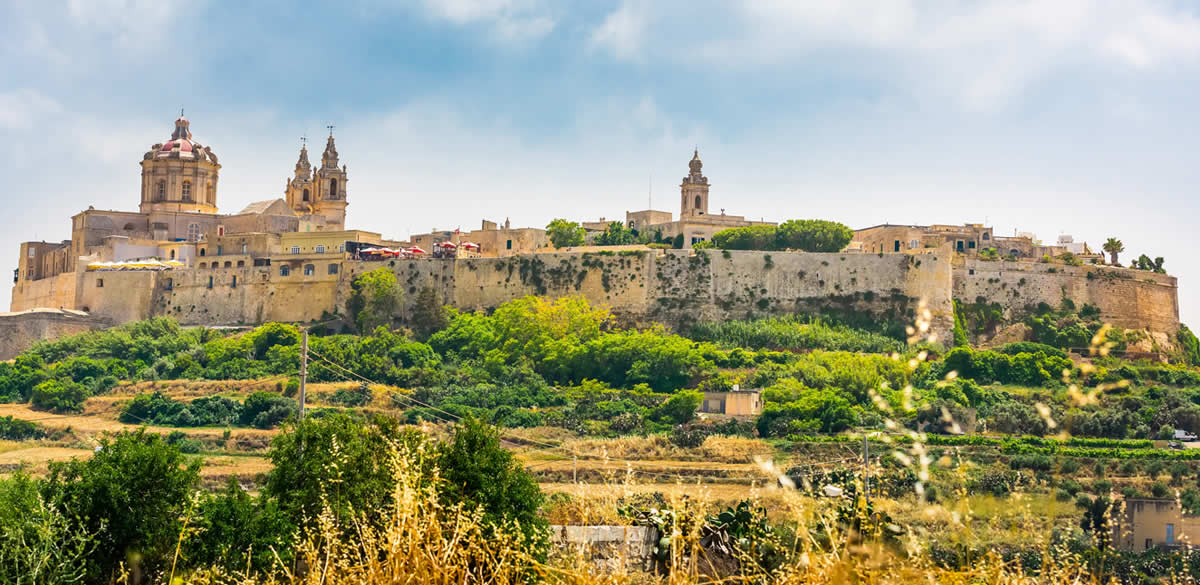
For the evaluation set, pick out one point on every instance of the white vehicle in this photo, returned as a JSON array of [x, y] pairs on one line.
[[1181, 435]]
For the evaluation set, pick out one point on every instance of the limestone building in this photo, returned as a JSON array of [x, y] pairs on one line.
[[178, 221], [969, 238], [695, 222]]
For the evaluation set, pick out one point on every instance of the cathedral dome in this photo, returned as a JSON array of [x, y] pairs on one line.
[[181, 145]]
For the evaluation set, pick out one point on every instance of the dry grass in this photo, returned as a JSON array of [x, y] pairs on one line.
[[659, 448]]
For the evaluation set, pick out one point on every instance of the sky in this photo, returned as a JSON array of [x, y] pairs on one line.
[[1067, 117]]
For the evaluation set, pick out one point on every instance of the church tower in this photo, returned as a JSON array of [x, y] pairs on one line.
[[299, 190], [319, 195], [330, 187], [693, 191], [180, 174]]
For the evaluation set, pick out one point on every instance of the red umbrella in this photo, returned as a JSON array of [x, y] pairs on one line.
[[446, 245], [470, 245], [415, 250]]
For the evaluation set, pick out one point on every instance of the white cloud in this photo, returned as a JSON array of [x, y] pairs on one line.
[[509, 20], [622, 30], [980, 55], [22, 109]]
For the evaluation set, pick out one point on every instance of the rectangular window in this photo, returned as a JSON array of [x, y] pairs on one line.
[[285, 270], [99, 283], [210, 282], [1170, 533], [508, 246], [321, 249], [309, 270], [896, 246], [971, 244], [244, 248], [295, 249], [31, 252], [233, 283], [220, 250], [333, 268]]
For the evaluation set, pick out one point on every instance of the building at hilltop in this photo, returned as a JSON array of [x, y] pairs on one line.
[[695, 222], [292, 259]]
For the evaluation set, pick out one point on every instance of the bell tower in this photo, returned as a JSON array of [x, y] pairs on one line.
[[330, 187], [299, 191], [693, 191]]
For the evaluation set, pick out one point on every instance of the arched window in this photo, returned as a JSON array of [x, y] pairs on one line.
[[697, 202], [160, 191], [128, 227], [203, 251], [193, 233], [229, 265], [209, 194], [305, 196], [241, 264], [309, 270], [187, 190], [285, 270], [203, 265], [986, 236], [172, 254], [333, 192]]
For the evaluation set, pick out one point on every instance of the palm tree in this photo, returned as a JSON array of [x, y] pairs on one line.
[[1114, 246]]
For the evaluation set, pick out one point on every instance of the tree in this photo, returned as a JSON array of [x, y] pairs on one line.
[[813, 235], [374, 299], [478, 471], [131, 494], [755, 237], [59, 396], [1114, 247], [563, 233], [38, 543], [236, 530], [680, 408], [616, 234], [334, 460], [428, 314]]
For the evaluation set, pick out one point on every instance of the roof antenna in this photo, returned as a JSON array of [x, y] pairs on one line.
[[304, 140], [330, 130], [180, 111]]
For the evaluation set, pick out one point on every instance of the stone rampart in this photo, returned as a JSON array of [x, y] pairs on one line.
[[1126, 297], [19, 331]]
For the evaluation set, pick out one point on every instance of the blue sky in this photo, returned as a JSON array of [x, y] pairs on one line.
[[1073, 116]]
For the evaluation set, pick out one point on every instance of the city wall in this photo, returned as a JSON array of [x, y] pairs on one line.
[[674, 287], [19, 331], [1129, 298]]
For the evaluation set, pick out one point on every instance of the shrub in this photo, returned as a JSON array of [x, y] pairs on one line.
[[15, 429], [236, 531], [131, 495], [265, 410], [688, 436], [59, 396], [1159, 490], [479, 471], [359, 396], [680, 408]]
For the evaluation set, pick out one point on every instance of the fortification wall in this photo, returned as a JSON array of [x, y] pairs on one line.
[[227, 296], [55, 292], [19, 331], [677, 287], [1125, 297]]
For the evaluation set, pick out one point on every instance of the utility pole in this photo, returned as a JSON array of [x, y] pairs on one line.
[[303, 369], [866, 467], [575, 473]]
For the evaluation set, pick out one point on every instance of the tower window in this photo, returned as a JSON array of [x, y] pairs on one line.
[[210, 197], [160, 191], [187, 190], [333, 191], [305, 196]]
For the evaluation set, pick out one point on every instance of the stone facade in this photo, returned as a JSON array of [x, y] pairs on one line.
[[19, 331]]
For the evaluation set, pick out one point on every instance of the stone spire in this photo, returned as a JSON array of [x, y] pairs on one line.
[[695, 167], [329, 159], [303, 167]]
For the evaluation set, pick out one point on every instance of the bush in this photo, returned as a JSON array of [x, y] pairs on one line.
[[688, 436], [59, 396], [15, 429], [479, 471], [680, 408], [131, 495], [266, 410], [359, 396], [1159, 490], [237, 531]]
